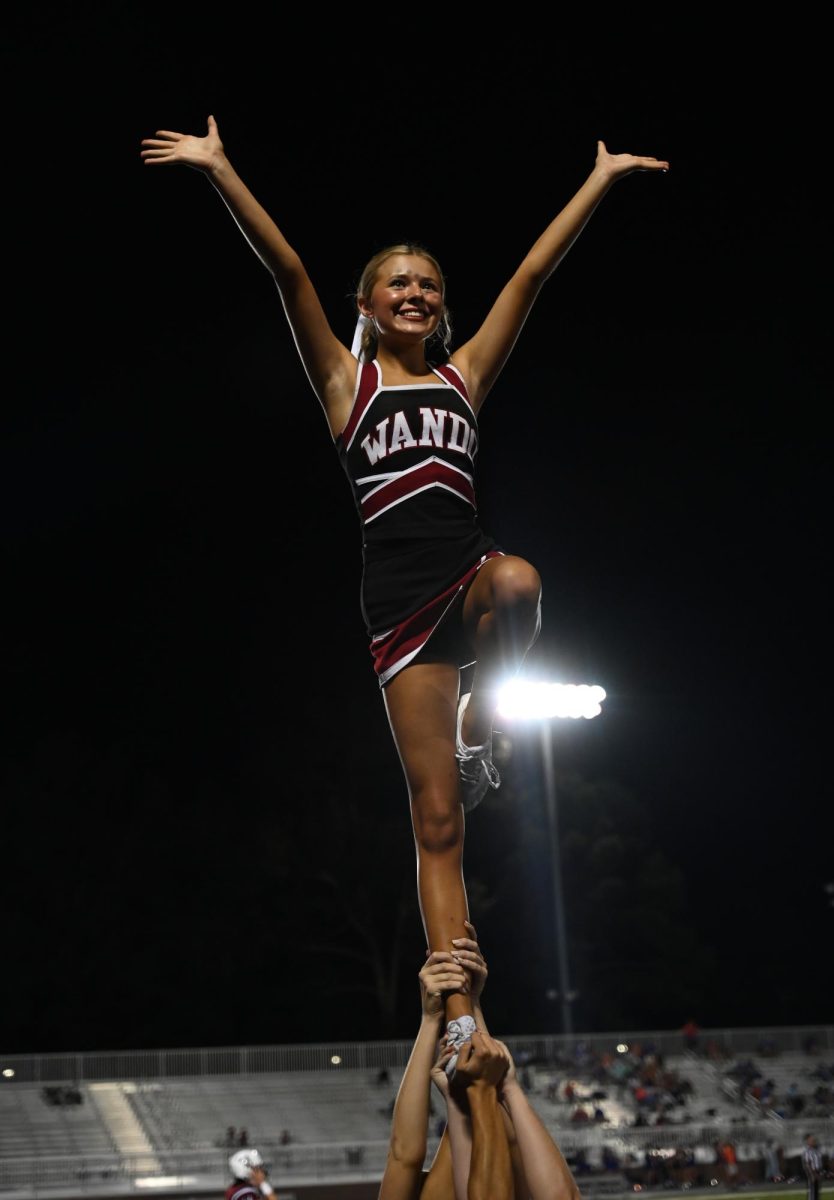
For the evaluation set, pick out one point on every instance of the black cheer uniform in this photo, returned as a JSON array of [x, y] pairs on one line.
[[409, 454]]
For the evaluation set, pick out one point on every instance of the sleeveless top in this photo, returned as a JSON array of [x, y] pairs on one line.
[[409, 454]]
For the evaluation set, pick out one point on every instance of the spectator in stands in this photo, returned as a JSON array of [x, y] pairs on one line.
[[285, 1139], [727, 1155], [243, 1138], [610, 1159], [823, 1100], [231, 1136], [249, 1181], [795, 1101]]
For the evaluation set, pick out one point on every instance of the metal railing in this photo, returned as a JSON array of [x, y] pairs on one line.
[[100, 1066]]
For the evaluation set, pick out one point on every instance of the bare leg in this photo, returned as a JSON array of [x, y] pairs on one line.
[[421, 702], [502, 617]]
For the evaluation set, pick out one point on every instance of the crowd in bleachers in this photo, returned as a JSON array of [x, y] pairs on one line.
[[809, 1094], [637, 1085], [630, 1085]]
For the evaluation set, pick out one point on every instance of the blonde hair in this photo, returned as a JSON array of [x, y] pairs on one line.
[[442, 335]]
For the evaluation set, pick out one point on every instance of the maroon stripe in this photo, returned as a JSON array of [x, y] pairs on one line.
[[414, 631], [405, 484], [368, 384], [455, 380]]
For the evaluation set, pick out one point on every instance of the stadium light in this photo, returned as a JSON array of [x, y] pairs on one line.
[[531, 700], [535, 701]]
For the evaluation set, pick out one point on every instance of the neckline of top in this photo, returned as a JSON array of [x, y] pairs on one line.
[[390, 387]]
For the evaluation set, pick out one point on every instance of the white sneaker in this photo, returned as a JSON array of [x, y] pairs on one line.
[[457, 1032], [475, 766]]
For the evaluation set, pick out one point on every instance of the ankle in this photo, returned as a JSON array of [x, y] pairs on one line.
[[476, 726]]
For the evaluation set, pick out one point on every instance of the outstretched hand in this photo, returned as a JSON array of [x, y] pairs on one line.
[[168, 148], [618, 165]]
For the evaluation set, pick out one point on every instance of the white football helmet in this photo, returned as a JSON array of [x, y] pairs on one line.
[[242, 1162]]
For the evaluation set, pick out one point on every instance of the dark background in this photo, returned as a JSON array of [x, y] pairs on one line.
[[206, 836]]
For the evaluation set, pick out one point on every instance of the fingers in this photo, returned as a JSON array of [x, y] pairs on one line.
[[438, 956], [446, 1052], [465, 944], [465, 1053], [505, 1052], [468, 955], [442, 974], [504, 1048], [436, 985]]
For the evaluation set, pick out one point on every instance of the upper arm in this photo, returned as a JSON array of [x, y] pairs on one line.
[[329, 365], [481, 358]]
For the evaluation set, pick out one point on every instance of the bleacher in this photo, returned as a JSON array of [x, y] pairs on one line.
[[29, 1126], [316, 1106], [160, 1118]]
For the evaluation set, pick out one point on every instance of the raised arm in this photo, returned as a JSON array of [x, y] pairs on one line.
[[542, 1166], [330, 366], [480, 1069], [481, 358], [457, 1135], [403, 1173]]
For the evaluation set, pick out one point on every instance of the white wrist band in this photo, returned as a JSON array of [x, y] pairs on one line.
[[267, 1189]]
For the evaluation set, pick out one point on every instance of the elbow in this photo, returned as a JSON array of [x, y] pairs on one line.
[[408, 1153]]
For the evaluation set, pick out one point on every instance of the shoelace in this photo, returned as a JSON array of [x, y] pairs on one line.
[[471, 774]]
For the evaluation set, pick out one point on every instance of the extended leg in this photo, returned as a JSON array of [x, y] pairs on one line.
[[421, 702]]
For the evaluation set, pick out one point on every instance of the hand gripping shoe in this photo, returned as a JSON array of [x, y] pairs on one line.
[[475, 766], [458, 1032]]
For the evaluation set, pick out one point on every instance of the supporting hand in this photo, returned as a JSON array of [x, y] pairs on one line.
[[468, 953], [440, 975]]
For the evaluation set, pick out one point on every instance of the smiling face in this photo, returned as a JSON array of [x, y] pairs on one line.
[[406, 298]]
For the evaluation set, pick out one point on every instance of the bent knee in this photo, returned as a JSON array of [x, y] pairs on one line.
[[516, 584]]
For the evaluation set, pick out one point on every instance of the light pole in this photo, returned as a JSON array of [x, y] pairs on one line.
[[523, 701]]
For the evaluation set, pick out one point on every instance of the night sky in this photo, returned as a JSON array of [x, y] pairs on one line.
[[205, 828]]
